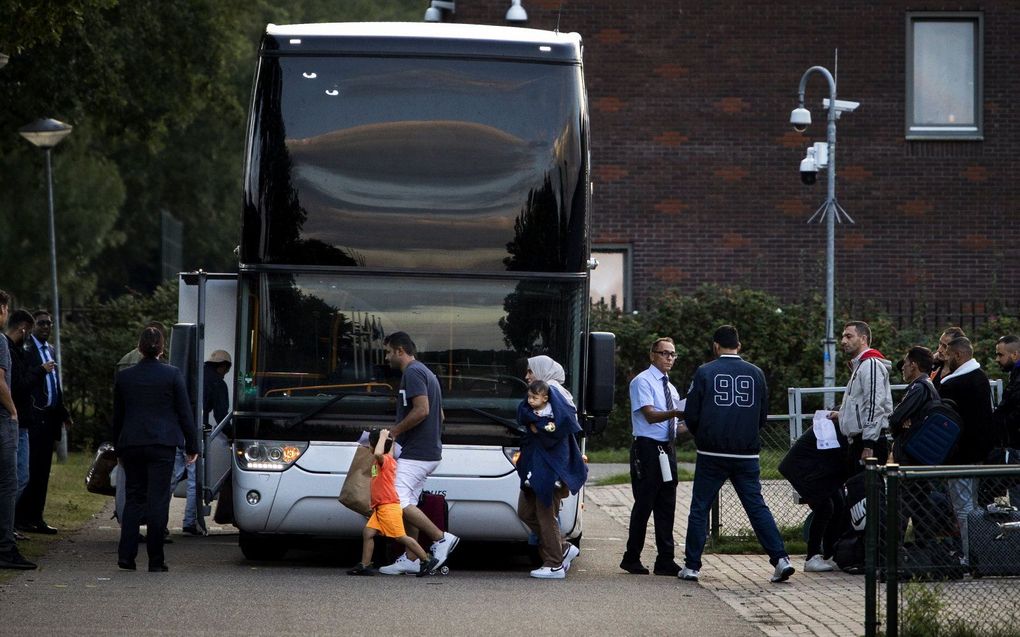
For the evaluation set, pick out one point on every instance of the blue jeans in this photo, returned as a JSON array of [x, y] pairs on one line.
[[22, 460], [963, 495], [8, 482], [710, 472], [180, 464]]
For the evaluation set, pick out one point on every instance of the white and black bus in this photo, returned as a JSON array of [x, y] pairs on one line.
[[425, 178]]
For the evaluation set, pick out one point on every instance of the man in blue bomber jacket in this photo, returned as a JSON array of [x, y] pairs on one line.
[[727, 406]]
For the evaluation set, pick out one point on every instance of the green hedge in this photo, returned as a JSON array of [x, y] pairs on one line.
[[784, 339], [93, 339]]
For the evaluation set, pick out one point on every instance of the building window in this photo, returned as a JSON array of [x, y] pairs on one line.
[[944, 75], [610, 282]]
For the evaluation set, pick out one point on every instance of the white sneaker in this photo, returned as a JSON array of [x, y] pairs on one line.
[[784, 569], [550, 572], [442, 549], [817, 564], [569, 555], [402, 566], [689, 574]]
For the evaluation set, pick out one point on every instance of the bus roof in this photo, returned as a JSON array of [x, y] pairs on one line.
[[414, 38]]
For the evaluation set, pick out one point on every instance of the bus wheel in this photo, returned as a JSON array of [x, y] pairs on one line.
[[261, 548]]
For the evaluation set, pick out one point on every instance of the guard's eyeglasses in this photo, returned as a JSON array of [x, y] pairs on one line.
[[666, 354]]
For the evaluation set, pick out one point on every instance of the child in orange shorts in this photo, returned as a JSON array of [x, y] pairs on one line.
[[387, 516]]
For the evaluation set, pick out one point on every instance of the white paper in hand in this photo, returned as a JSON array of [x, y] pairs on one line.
[[825, 431]]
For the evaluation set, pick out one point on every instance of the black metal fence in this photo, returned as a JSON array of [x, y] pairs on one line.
[[942, 550]]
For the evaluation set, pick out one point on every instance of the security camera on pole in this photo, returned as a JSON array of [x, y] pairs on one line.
[[823, 155]]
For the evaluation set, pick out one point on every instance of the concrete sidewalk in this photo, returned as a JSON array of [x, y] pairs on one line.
[[808, 604]]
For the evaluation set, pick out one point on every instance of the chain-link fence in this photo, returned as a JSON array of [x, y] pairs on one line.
[[728, 519], [942, 550]]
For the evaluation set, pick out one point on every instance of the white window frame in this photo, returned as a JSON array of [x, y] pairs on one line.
[[946, 131], [626, 302]]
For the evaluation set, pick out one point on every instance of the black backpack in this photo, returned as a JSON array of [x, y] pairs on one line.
[[932, 440]]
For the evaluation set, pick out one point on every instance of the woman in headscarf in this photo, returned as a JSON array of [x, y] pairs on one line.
[[550, 465]]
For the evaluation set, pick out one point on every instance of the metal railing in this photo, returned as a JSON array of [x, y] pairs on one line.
[[727, 517]]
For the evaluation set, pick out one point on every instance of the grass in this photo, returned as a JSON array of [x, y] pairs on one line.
[[769, 460], [68, 506], [624, 478], [793, 538]]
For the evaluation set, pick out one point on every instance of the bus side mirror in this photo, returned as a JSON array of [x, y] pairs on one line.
[[601, 379]]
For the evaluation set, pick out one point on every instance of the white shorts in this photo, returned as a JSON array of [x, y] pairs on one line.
[[410, 479]]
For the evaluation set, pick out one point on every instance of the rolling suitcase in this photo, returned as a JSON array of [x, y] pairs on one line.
[[433, 505], [993, 541]]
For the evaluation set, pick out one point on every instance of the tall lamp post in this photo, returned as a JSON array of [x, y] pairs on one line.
[[45, 134], [824, 156]]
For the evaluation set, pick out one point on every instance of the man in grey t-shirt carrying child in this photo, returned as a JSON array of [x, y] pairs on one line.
[[418, 432]]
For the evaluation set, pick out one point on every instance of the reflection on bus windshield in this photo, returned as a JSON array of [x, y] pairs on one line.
[[316, 336]]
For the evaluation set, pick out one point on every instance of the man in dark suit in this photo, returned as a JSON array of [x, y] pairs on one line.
[[48, 416], [967, 386]]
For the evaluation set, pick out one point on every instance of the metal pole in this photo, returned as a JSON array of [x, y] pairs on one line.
[[829, 344], [892, 546], [202, 497], [62, 446], [871, 544]]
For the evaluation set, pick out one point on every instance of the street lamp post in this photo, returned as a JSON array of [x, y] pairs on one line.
[[830, 210], [45, 134]]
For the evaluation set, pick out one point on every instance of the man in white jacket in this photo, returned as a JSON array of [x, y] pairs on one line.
[[864, 414]]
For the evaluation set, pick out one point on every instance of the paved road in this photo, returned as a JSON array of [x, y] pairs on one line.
[[212, 590]]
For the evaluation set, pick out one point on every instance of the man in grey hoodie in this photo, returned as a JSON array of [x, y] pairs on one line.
[[864, 414]]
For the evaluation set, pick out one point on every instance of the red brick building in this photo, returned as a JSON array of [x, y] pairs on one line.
[[696, 164]]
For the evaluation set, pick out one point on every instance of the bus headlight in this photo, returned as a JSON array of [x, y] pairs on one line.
[[274, 455]]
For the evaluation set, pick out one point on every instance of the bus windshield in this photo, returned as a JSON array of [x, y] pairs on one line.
[[410, 162], [310, 337]]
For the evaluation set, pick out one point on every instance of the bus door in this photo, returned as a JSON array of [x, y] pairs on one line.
[[210, 300]]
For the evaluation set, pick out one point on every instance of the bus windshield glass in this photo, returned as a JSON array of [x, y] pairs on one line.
[[450, 155], [311, 337]]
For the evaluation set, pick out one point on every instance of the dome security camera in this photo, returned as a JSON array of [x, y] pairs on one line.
[[800, 117]]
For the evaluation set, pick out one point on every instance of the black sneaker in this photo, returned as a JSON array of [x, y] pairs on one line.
[[635, 567], [16, 560], [428, 567], [362, 569]]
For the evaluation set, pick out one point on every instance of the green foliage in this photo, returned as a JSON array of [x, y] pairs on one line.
[[157, 92], [783, 339], [92, 342]]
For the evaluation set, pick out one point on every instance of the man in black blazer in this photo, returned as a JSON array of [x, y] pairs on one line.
[[48, 416]]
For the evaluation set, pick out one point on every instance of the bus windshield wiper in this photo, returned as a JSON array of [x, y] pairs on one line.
[[318, 409], [509, 423]]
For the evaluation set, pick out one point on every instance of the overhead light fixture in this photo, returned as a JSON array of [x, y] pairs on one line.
[[516, 12], [436, 8]]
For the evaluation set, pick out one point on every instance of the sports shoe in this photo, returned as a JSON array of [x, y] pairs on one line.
[[441, 550], [191, 530], [689, 574], [402, 566], [16, 560], [362, 569], [817, 564], [550, 572], [783, 570], [428, 567], [569, 555]]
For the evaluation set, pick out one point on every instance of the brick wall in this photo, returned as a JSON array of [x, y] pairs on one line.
[[696, 165]]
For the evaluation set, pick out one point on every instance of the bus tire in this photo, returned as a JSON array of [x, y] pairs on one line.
[[260, 548]]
